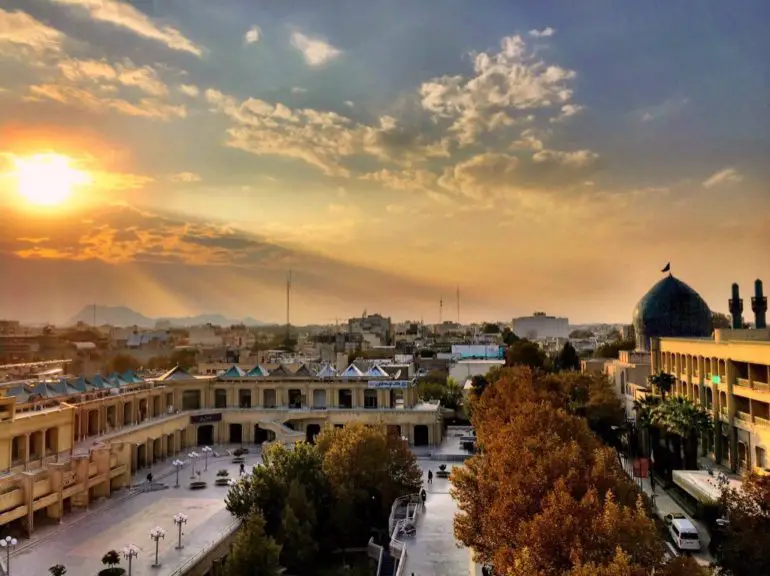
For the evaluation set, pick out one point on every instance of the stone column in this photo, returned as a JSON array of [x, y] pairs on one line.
[[26, 450]]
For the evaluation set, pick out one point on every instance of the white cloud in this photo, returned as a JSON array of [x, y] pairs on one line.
[[130, 18], [544, 33], [145, 78], [315, 50], [22, 30], [298, 90], [349, 103], [86, 99], [668, 108], [505, 89], [189, 90], [185, 177], [253, 35], [568, 111], [726, 176], [578, 158]]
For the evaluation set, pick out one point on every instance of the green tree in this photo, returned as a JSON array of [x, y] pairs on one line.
[[367, 469], [568, 358], [490, 328], [509, 337], [184, 358], [297, 533], [525, 353], [613, 349], [662, 383], [744, 543], [57, 570], [581, 334], [254, 552], [719, 320], [684, 422]]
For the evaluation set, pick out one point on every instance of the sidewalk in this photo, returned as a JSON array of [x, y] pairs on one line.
[[664, 504]]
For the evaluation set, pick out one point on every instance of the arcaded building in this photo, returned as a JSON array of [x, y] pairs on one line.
[[65, 442]]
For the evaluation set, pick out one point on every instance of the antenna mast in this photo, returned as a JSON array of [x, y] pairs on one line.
[[94, 315], [458, 304], [288, 309], [441, 310]]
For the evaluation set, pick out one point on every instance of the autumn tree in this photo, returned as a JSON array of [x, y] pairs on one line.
[[568, 358], [545, 496], [525, 353], [744, 542], [254, 552]]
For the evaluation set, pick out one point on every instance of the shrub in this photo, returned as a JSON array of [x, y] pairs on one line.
[[57, 570]]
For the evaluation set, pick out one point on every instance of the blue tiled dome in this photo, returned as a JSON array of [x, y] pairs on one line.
[[671, 309]]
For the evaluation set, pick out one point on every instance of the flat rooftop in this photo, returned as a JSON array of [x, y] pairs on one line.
[[84, 537]]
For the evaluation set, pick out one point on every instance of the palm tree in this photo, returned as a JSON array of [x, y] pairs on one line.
[[649, 433], [663, 382], [684, 421]]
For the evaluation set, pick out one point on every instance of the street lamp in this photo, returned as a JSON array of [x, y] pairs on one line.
[[177, 464], [9, 544], [193, 456], [129, 553], [206, 450], [157, 534], [180, 520]]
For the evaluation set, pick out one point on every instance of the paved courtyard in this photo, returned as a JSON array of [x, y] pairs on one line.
[[81, 542], [433, 551]]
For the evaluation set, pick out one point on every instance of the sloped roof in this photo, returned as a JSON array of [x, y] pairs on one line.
[[327, 371], [41, 389], [131, 377], [117, 380], [281, 371], [304, 371], [19, 392], [63, 388], [98, 382], [352, 371], [377, 372], [234, 371], [258, 370], [81, 384], [176, 373]]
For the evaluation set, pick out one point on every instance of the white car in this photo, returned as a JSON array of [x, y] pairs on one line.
[[684, 534]]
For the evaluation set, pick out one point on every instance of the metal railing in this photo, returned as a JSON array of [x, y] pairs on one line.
[[203, 552]]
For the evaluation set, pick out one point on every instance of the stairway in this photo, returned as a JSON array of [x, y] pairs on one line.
[[387, 566]]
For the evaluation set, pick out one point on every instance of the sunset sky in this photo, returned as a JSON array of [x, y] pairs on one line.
[[541, 155]]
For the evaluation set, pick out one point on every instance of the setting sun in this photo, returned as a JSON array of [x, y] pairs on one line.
[[47, 179]]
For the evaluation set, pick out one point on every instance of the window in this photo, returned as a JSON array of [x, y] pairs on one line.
[[370, 398], [270, 398], [191, 400], [220, 398], [244, 398], [761, 458]]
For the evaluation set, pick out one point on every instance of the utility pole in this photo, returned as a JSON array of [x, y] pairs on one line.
[[441, 310], [458, 304], [288, 310]]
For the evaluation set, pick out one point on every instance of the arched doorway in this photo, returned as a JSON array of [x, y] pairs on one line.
[[236, 434], [261, 435], [289, 425], [311, 432], [421, 435], [141, 456], [205, 435]]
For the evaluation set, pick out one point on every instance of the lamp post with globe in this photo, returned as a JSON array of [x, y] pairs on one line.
[[178, 465], [9, 544], [180, 520], [129, 553], [193, 456], [157, 534], [206, 451]]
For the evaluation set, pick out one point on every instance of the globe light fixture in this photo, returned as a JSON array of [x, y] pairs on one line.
[[9, 544], [180, 520], [193, 456], [129, 553], [157, 534], [206, 451], [178, 465]]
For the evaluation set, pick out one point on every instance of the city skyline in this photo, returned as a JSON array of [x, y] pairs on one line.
[[179, 159]]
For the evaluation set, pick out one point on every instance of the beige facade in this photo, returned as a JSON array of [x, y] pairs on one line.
[[729, 375], [61, 450], [629, 373]]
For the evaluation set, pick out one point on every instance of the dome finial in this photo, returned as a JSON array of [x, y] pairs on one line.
[[667, 268]]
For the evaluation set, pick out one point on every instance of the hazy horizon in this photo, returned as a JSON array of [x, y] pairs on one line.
[[177, 158]]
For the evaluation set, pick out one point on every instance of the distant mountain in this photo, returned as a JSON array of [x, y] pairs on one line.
[[123, 316]]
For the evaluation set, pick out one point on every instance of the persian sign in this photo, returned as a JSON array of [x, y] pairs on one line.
[[206, 418], [390, 384]]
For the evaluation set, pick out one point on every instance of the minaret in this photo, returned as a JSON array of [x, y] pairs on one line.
[[759, 306], [736, 308]]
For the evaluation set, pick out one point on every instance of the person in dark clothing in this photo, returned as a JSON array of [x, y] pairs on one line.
[[423, 496], [243, 468], [430, 476]]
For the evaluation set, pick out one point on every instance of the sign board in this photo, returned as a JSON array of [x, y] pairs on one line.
[[390, 384], [206, 418], [715, 378]]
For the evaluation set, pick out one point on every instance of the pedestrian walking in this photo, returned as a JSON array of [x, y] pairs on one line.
[[423, 496], [243, 468], [652, 484], [430, 476]]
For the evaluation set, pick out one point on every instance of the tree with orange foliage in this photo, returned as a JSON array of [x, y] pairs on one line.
[[544, 496]]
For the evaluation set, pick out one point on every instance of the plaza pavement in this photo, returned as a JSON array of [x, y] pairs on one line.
[[84, 537]]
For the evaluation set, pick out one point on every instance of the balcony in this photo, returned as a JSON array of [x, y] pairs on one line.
[[743, 382], [762, 422], [743, 416]]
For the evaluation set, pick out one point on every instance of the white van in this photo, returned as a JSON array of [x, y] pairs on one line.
[[685, 534]]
